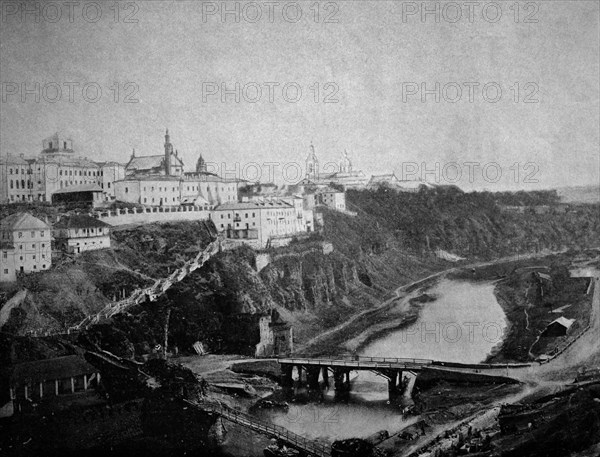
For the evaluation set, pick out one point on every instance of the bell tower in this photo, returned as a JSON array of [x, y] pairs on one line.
[[168, 152], [312, 164]]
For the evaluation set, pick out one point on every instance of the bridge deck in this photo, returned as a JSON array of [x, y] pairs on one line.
[[271, 430], [376, 363], [359, 363]]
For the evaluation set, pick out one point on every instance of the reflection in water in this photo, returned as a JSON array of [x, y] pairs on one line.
[[463, 324], [330, 420]]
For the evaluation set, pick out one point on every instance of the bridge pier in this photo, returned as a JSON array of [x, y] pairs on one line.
[[341, 380], [286, 375], [301, 375], [325, 373], [312, 377], [394, 384]]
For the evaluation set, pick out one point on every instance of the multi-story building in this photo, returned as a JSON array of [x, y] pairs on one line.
[[332, 198], [25, 246], [79, 233], [258, 222], [110, 172], [157, 190], [160, 181], [56, 167]]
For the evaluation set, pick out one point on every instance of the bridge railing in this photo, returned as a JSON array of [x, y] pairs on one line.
[[273, 430], [355, 361]]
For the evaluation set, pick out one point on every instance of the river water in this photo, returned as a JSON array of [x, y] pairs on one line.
[[463, 324]]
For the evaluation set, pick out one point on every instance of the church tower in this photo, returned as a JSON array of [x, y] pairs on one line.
[[312, 164], [168, 152], [345, 163], [201, 165]]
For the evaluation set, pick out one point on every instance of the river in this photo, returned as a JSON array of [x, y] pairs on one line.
[[463, 324]]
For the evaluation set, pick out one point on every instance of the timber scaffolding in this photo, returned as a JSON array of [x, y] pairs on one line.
[[151, 293], [282, 434]]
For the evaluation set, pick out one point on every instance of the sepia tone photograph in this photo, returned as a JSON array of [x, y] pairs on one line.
[[312, 228]]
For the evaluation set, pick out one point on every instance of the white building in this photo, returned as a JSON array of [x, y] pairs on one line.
[[56, 167], [160, 181], [332, 198], [25, 246], [110, 172], [79, 233], [149, 190], [259, 222]]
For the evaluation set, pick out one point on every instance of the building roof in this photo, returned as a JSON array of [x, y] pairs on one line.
[[150, 162], [545, 276], [68, 161], [22, 221], [50, 369], [79, 221], [384, 178], [80, 188], [566, 323], [135, 178], [13, 160], [146, 162], [196, 200], [328, 190]]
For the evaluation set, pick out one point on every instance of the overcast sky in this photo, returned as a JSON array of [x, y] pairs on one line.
[[371, 57]]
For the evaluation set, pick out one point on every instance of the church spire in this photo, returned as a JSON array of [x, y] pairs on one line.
[[168, 152]]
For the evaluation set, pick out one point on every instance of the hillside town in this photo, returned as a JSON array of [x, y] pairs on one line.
[[299, 229], [98, 195]]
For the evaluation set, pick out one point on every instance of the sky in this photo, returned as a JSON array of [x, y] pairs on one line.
[[517, 105]]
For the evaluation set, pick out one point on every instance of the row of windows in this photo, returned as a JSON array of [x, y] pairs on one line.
[[72, 183], [20, 234], [32, 247], [26, 197], [34, 267], [237, 215], [16, 184], [162, 200], [81, 173], [160, 189]]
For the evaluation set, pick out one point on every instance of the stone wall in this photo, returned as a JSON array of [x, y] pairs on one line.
[[153, 214]]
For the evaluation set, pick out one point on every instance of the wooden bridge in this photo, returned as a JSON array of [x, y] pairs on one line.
[[304, 445], [310, 369]]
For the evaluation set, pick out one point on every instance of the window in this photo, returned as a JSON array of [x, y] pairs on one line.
[[34, 259], [50, 145], [64, 145], [33, 246], [6, 271], [127, 190], [20, 235], [32, 234], [44, 266]]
